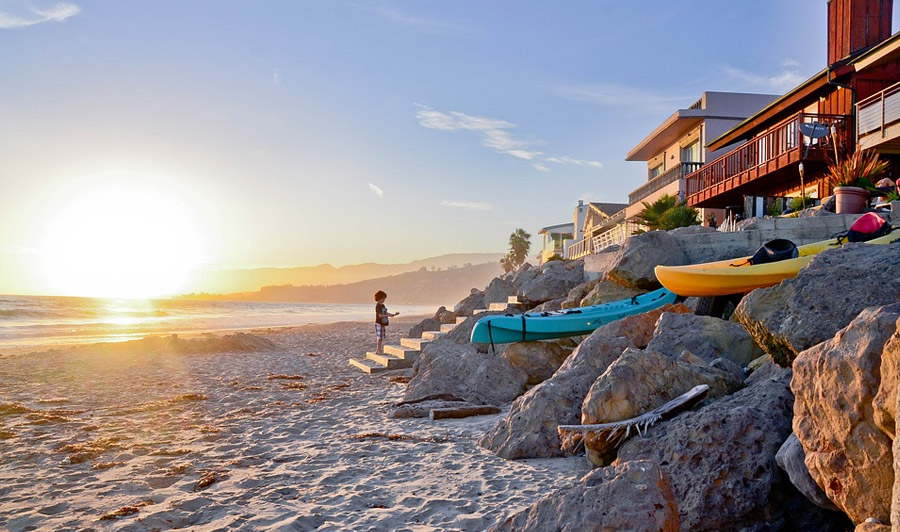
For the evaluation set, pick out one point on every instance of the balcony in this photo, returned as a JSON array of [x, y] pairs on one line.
[[878, 120], [766, 163], [660, 181], [587, 245]]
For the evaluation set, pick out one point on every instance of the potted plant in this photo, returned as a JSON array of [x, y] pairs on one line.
[[853, 179]]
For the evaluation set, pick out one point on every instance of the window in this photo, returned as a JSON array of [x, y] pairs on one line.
[[691, 152], [656, 170]]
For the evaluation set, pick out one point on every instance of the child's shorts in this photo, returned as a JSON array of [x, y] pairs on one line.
[[379, 331]]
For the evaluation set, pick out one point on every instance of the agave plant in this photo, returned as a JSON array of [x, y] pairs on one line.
[[861, 169]]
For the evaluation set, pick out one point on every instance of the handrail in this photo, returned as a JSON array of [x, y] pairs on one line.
[[671, 175], [774, 142], [877, 111]]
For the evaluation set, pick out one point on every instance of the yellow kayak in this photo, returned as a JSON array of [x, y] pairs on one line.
[[735, 276]]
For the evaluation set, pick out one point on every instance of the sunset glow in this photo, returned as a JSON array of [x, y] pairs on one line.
[[120, 241]]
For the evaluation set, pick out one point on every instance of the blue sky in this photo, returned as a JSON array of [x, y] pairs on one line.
[[302, 132]]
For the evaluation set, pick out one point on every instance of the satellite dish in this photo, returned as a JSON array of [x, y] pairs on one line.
[[814, 130]]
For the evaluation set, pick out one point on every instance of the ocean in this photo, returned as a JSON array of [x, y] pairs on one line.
[[31, 321]]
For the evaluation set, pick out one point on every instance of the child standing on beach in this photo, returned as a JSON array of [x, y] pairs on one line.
[[381, 320]]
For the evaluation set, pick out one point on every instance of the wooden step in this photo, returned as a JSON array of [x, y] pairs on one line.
[[402, 352], [432, 335], [366, 365], [388, 361], [513, 300], [461, 319], [480, 311], [415, 343], [498, 306], [447, 327]]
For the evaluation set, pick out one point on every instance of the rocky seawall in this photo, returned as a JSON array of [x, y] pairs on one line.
[[796, 430]]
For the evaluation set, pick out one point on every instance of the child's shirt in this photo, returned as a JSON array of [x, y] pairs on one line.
[[380, 311]]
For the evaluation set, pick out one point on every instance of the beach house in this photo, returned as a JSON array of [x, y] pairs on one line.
[[597, 224], [679, 145], [783, 149]]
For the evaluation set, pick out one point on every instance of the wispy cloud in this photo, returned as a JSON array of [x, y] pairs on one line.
[[469, 205], [20, 15], [788, 77], [420, 24], [496, 135], [614, 95], [376, 190]]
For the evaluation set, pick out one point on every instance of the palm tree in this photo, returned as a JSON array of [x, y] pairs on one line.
[[519, 244], [507, 264], [653, 212]]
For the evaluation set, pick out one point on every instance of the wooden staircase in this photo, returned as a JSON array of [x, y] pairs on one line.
[[403, 355]]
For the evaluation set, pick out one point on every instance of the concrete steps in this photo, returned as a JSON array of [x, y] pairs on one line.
[[414, 343], [403, 355], [498, 307]]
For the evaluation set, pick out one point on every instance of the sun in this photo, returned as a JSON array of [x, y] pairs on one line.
[[120, 240]]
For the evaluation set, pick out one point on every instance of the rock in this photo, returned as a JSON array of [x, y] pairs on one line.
[[721, 459], [633, 266], [641, 327], [448, 367], [548, 306], [554, 281], [790, 458], [766, 371], [539, 360], [758, 362], [446, 316], [422, 407], [821, 300], [606, 291], [885, 411], [529, 430], [635, 496], [474, 301], [428, 324], [575, 295], [639, 381], [705, 336], [499, 290], [834, 383], [872, 526]]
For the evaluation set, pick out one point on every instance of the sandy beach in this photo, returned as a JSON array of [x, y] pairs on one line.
[[207, 434]]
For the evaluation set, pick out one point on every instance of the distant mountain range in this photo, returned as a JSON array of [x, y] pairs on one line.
[[420, 287], [248, 280]]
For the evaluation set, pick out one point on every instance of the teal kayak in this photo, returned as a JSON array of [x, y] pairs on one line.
[[571, 322]]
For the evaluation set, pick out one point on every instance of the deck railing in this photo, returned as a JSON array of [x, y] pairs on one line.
[[758, 151], [671, 175], [585, 246], [616, 235], [877, 111]]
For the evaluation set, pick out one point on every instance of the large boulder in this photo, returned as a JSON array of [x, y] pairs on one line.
[[605, 291], [705, 336], [448, 367], [634, 264], [640, 329], [639, 381], [539, 360], [791, 458], [499, 290], [721, 459], [430, 324], [635, 496], [529, 429], [575, 295], [554, 281], [835, 383], [884, 404], [821, 300], [474, 301]]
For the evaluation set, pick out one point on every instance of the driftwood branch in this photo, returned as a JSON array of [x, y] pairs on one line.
[[572, 436], [462, 411]]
